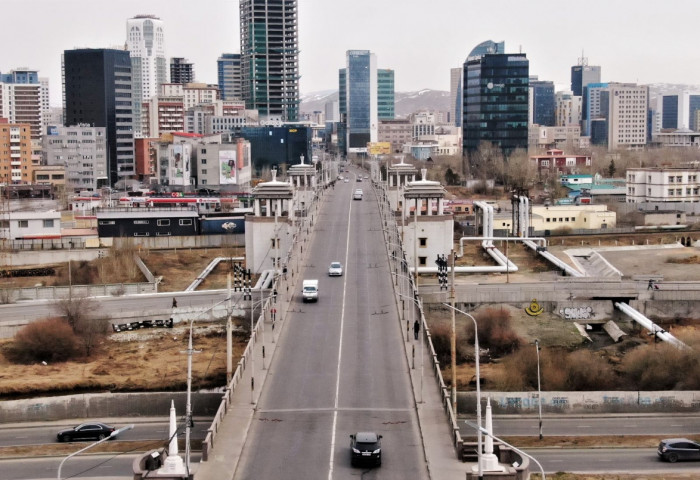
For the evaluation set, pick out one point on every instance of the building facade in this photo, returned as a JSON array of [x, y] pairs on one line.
[[228, 67], [145, 41], [543, 106], [23, 99], [396, 132], [568, 109], [181, 71], [582, 75], [628, 106], [663, 185], [495, 105], [358, 88], [385, 94], [97, 86], [679, 112], [456, 96], [82, 150], [16, 164], [270, 58]]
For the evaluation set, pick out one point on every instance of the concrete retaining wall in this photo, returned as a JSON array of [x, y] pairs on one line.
[[99, 405], [573, 402], [190, 241], [11, 295]]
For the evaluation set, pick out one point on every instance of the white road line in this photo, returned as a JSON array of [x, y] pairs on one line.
[[340, 347]]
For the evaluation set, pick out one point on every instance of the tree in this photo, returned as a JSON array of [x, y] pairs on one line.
[[81, 315], [611, 168], [451, 178], [520, 172]]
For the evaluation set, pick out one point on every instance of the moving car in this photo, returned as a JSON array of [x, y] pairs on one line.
[[366, 447], [86, 431], [357, 195], [674, 449], [346, 180], [336, 269], [359, 178], [309, 290]]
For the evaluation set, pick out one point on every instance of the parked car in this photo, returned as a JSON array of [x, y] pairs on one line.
[[365, 447], [336, 269], [85, 431], [674, 449], [359, 178]]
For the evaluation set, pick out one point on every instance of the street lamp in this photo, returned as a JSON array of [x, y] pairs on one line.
[[417, 303], [486, 432], [539, 389], [111, 435], [478, 387]]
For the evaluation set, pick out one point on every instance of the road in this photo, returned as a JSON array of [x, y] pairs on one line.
[[662, 425], [340, 366], [608, 460], [36, 434]]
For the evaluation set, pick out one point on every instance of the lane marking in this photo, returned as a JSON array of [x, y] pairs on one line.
[[330, 409], [331, 465]]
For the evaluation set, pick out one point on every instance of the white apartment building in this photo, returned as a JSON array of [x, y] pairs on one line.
[[145, 40], [663, 185], [568, 109], [28, 225], [20, 103], [82, 150], [627, 115], [193, 93], [549, 137]]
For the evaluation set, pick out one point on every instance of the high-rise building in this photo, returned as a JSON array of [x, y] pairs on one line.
[[82, 150], [145, 41], [181, 71], [97, 86], [16, 165], [385, 94], [23, 98], [229, 75], [456, 97], [568, 109], [678, 111], [358, 99], [582, 75], [592, 105], [495, 101], [542, 103], [627, 106], [270, 58]]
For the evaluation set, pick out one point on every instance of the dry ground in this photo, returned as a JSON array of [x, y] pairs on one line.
[[141, 360]]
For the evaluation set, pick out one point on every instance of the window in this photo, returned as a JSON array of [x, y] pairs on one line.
[[163, 222], [204, 161], [422, 261], [204, 171], [185, 221], [23, 223], [423, 242], [106, 222], [141, 234], [48, 223], [670, 192], [141, 222]]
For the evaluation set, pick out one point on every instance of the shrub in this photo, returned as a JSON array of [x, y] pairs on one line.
[[662, 367], [440, 336], [495, 331], [51, 340], [579, 370]]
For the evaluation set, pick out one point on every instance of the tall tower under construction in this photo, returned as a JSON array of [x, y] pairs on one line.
[[270, 58]]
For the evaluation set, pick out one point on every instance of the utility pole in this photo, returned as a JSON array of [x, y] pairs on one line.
[[453, 336], [229, 334]]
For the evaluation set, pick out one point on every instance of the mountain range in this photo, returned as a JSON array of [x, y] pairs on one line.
[[405, 103]]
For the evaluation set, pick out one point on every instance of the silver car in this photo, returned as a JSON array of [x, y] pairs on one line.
[[335, 270]]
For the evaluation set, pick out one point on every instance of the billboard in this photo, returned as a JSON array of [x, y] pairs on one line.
[[180, 164], [227, 167], [379, 148]]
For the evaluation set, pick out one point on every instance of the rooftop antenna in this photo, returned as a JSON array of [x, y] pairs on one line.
[[583, 61]]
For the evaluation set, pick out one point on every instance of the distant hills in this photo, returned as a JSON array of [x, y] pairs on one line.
[[405, 102]]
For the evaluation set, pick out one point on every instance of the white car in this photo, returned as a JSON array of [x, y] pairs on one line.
[[346, 180], [335, 270]]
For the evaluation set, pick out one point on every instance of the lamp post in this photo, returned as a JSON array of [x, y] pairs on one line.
[[486, 432], [539, 388], [417, 304], [111, 435], [478, 386], [253, 305]]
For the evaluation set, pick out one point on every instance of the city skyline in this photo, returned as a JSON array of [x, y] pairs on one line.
[[421, 46]]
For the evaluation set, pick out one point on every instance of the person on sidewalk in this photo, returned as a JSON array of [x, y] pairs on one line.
[[416, 329], [651, 284], [174, 303]]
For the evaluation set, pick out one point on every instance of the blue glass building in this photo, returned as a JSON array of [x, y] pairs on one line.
[[544, 103], [228, 67]]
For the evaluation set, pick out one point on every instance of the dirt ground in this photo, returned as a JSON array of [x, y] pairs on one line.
[[129, 361]]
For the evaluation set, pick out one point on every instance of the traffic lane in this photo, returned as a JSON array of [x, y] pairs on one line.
[[402, 455], [287, 444], [612, 460], [662, 425], [87, 466], [39, 435]]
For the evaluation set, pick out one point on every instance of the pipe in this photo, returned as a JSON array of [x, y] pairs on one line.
[[568, 269], [651, 326]]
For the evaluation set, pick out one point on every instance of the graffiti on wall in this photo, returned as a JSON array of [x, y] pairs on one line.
[[577, 313]]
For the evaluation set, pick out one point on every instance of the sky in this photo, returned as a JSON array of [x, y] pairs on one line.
[[640, 41]]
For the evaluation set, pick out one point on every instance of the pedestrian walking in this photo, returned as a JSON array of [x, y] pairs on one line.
[[174, 303], [416, 329], [651, 284]]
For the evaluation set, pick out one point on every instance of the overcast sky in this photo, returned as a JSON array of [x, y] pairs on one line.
[[633, 40]]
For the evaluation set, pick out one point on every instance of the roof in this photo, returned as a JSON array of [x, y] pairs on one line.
[[367, 437]]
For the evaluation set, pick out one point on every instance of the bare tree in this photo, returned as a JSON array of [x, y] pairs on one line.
[[81, 315], [520, 173]]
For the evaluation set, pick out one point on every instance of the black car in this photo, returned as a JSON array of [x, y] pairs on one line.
[[366, 447], [85, 431], [674, 449]]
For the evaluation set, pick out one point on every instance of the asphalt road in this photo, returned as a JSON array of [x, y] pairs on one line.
[[609, 461], [340, 367], [664, 426], [42, 434]]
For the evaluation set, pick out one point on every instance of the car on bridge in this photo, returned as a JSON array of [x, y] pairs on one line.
[[674, 449], [86, 431], [335, 270], [365, 447]]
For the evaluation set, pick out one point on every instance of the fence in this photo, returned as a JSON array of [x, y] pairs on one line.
[[12, 295]]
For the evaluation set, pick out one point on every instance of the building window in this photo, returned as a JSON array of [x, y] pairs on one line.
[[48, 223], [107, 222], [422, 261], [204, 161], [163, 222], [23, 223], [423, 242], [186, 221], [670, 192], [204, 171], [140, 222]]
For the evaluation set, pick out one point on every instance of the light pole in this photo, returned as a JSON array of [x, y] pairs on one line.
[[486, 432], [253, 305], [478, 386], [111, 435], [539, 388], [417, 304]]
